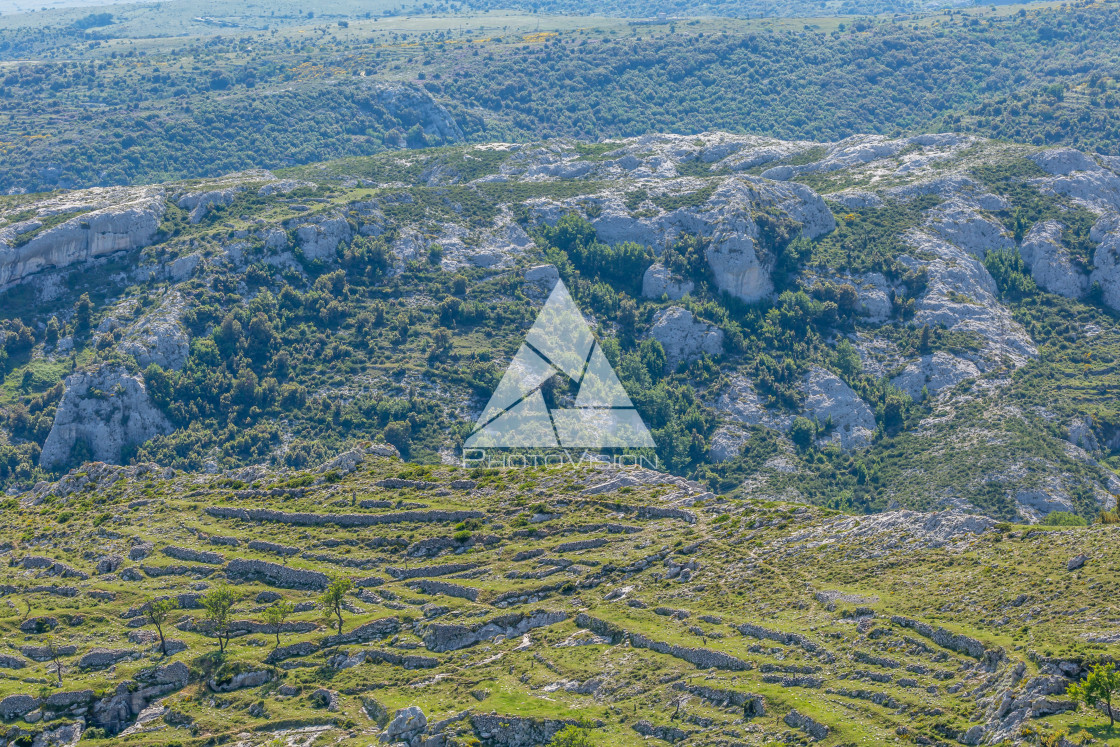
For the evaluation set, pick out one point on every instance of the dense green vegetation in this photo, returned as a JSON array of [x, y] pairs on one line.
[[117, 112]]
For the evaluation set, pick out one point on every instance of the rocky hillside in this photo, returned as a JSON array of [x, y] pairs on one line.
[[926, 321], [501, 607]]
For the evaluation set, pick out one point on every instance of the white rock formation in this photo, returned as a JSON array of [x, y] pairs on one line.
[[659, 281], [960, 222], [1051, 265], [740, 402], [199, 203], [130, 224], [1081, 433], [109, 410], [741, 267], [1106, 259], [830, 400], [934, 372], [1062, 161], [319, 239], [159, 337], [872, 291], [684, 337], [1098, 190], [540, 280], [727, 443], [1034, 504], [856, 199], [961, 295]]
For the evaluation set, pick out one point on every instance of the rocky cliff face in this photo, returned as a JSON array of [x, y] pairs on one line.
[[848, 420], [1050, 262], [109, 221], [108, 410]]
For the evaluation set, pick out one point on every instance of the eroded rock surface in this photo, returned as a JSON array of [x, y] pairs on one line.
[[107, 410]]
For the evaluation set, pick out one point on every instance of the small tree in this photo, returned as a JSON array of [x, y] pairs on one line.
[[55, 652], [219, 603], [333, 597], [276, 615], [158, 611], [1100, 686]]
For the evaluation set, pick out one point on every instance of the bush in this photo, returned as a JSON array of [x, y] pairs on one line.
[[802, 432], [1063, 519]]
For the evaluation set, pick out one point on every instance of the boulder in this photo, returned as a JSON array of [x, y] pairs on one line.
[[1051, 264], [109, 410], [1076, 562], [961, 223], [683, 337], [829, 400], [935, 373], [407, 723], [659, 281], [319, 240]]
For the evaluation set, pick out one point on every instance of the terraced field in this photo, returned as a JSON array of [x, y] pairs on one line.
[[506, 605]]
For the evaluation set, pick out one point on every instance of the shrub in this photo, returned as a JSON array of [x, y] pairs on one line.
[[802, 432], [572, 736], [1063, 519]]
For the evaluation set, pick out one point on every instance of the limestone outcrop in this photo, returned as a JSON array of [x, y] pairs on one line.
[[1106, 259], [684, 337], [1051, 264], [962, 296], [959, 221], [738, 254], [659, 281], [934, 373], [121, 220], [849, 421], [108, 410]]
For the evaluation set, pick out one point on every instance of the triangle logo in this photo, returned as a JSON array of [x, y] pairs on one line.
[[560, 342]]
